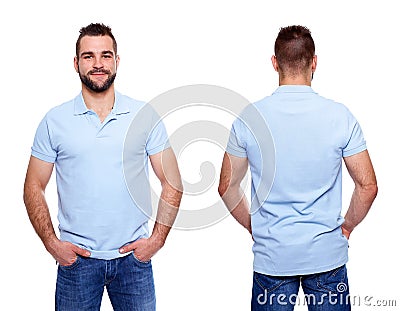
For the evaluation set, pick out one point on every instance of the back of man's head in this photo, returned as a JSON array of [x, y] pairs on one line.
[[294, 49]]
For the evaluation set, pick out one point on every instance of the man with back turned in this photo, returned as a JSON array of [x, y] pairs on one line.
[[300, 237]]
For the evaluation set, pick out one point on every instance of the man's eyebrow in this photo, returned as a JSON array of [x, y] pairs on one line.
[[107, 52], [103, 53], [87, 53]]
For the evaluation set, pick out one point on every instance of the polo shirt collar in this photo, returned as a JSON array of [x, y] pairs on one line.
[[294, 89], [120, 106]]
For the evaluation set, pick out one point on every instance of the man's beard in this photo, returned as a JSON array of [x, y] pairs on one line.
[[91, 85]]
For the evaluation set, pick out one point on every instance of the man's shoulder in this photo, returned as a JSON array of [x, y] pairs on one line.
[[146, 109], [61, 110], [332, 105], [130, 100], [134, 105]]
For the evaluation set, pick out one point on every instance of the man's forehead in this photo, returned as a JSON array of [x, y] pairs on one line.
[[96, 44]]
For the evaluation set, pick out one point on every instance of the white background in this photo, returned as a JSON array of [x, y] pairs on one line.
[[167, 44]]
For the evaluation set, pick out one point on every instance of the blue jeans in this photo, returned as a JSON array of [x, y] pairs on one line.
[[327, 291], [129, 283]]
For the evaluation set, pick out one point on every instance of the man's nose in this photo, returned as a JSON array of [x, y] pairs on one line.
[[97, 63]]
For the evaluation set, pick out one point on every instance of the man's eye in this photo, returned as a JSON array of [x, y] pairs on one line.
[[107, 56], [87, 57]]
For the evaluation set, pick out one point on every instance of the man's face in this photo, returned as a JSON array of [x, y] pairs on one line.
[[97, 63]]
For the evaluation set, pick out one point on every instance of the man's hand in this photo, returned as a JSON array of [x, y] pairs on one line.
[[346, 232], [65, 253], [144, 249]]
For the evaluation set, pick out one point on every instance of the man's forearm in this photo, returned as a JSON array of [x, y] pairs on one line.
[[238, 206], [361, 202], [167, 211], [362, 172], [233, 171], [39, 214]]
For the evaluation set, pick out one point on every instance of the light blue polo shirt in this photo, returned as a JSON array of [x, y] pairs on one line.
[[95, 208], [297, 228]]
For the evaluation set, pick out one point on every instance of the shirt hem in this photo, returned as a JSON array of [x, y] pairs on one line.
[[43, 157], [354, 151], [107, 255], [236, 153], [300, 271], [159, 148]]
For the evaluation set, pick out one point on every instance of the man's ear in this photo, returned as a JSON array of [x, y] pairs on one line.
[[275, 63], [314, 64], [117, 59], [76, 65]]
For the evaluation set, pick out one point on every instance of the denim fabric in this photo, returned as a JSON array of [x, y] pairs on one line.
[[129, 283], [326, 291]]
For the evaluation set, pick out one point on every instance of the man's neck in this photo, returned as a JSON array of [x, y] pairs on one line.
[[101, 103], [294, 81], [102, 100]]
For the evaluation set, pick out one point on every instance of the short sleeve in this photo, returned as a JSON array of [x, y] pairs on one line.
[[236, 146], [355, 138], [158, 139], [42, 147]]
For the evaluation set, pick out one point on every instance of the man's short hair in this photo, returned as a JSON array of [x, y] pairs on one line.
[[94, 30], [294, 49]]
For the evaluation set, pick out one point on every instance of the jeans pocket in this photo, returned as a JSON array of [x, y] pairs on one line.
[[140, 262], [73, 265], [267, 282], [334, 281], [273, 292]]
